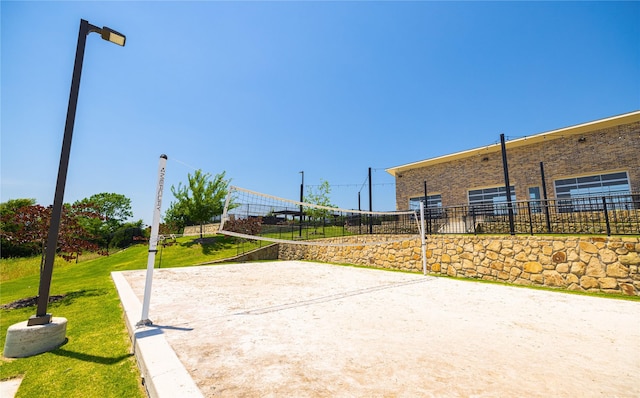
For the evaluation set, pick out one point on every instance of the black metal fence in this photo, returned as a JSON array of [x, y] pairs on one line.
[[288, 225], [610, 215]]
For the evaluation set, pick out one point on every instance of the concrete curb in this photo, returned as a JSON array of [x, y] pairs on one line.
[[164, 376], [9, 388]]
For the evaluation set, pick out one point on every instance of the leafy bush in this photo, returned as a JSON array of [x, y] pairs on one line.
[[128, 234]]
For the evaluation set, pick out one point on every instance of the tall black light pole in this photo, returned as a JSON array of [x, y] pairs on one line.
[[507, 184], [301, 200], [370, 205], [359, 215], [42, 317], [544, 196]]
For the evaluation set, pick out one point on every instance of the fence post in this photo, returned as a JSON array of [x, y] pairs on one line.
[[544, 195], [606, 215], [530, 220], [426, 208], [473, 219], [370, 205]]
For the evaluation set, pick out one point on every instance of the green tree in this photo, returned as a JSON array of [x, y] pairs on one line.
[[114, 210], [201, 199], [175, 218], [128, 234], [11, 205], [319, 196]]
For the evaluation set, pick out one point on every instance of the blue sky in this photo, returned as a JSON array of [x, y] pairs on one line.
[[263, 90]]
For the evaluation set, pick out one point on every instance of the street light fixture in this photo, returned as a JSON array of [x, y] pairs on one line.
[[42, 317], [111, 35]]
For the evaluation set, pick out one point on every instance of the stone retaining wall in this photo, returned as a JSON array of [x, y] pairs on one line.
[[607, 264]]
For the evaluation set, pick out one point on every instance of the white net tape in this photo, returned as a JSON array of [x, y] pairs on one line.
[[258, 216]]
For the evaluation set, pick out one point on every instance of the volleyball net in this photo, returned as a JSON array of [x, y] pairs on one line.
[[258, 216]]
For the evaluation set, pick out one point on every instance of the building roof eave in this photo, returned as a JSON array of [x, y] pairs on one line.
[[527, 140]]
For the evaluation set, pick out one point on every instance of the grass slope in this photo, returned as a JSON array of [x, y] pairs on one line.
[[97, 360]]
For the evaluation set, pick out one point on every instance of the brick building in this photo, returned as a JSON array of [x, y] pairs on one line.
[[598, 157]]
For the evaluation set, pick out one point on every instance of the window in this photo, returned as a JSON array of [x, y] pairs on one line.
[[603, 184], [491, 201], [534, 199], [434, 204], [585, 193]]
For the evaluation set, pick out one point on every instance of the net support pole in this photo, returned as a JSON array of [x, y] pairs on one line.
[[423, 240], [225, 211], [153, 243]]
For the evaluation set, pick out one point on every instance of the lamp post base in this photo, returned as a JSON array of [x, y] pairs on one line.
[[39, 320], [25, 341]]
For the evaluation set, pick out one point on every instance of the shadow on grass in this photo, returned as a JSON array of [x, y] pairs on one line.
[[210, 245], [69, 298], [90, 358], [55, 300]]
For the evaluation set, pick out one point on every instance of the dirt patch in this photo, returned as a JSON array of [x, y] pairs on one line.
[[29, 302]]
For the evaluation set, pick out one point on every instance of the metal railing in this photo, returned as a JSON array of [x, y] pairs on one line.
[[610, 215]]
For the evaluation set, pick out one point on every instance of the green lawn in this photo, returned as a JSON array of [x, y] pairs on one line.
[[97, 360]]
